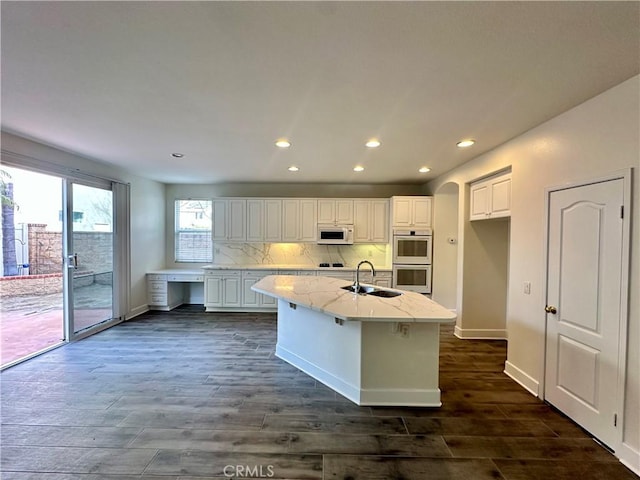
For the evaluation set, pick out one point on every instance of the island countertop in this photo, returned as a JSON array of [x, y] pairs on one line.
[[325, 295]]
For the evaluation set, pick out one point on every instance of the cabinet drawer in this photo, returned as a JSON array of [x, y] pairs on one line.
[[223, 273], [157, 287], [258, 273], [157, 299], [156, 276], [182, 277]]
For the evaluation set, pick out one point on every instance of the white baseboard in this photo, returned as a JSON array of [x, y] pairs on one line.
[[480, 334], [343, 388], [629, 457], [519, 376], [139, 310], [400, 397]]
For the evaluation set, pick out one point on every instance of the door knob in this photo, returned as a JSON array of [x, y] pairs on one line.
[[550, 309]]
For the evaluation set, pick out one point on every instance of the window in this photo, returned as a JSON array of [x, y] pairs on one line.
[[193, 223]]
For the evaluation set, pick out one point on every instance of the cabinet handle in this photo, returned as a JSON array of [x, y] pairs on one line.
[[551, 309]]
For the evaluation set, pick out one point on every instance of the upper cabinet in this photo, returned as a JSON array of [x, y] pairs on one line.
[[264, 220], [491, 197], [335, 211], [296, 219], [371, 221], [411, 212], [299, 220], [229, 220]]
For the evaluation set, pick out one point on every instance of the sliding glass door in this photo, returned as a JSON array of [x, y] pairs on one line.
[[65, 257], [89, 255]]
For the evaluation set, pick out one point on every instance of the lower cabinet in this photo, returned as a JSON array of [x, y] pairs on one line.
[[231, 290], [223, 289], [251, 299]]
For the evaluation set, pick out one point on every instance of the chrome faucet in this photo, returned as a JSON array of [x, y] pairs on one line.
[[356, 285]]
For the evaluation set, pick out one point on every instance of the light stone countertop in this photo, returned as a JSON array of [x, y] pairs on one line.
[[323, 294], [290, 267]]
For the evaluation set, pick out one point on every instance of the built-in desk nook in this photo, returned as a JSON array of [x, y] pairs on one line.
[[170, 288]]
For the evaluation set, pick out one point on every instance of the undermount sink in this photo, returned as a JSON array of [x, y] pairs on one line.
[[368, 290]]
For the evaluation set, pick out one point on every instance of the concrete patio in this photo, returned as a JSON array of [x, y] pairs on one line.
[[30, 323]]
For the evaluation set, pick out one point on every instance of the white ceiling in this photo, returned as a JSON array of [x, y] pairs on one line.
[[129, 83]]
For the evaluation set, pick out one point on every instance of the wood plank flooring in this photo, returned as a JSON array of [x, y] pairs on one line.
[[188, 395]]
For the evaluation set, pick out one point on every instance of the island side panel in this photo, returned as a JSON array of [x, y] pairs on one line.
[[400, 368], [328, 351]]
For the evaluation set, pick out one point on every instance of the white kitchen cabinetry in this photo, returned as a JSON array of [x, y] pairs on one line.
[[299, 220], [411, 212], [251, 299], [264, 218], [381, 279], [222, 288], [491, 198], [371, 221], [229, 220], [335, 211]]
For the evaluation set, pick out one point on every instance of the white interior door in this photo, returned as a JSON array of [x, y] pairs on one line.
[[584, 282]]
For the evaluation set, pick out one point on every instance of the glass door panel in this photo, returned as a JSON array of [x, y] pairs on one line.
[[90, 256], [31, 280]]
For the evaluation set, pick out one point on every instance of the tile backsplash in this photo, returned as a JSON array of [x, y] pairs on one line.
[[298, 254]]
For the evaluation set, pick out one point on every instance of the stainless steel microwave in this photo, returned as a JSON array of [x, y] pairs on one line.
[[335, 234]]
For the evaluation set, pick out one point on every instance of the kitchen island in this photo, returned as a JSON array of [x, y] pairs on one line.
[[373, 350]]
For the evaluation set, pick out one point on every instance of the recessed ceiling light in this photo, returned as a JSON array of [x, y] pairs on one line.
[[177, 155], [373, 143], [424, 169], [358, 168], [465, 143], [283, 143], [293, 168]]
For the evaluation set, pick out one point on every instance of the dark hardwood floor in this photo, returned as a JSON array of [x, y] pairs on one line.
[[188, 395]]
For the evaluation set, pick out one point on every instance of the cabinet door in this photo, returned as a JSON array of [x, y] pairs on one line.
[[232, 293], [379, 221], [326, 211], [479, 207], [344, 212], [267, 301], [236, 224], [272, 220], [308, 220], [422, 212], [213, 291], [249, 297], [500, 197], [255, 220], [402, 212], [290, 220], [361, 215], [219, 220]]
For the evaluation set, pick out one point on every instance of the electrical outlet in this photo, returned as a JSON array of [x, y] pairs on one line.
[[404, 330], [527, 288]]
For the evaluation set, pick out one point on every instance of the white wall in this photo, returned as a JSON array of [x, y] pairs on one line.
[[147, 208], [596, 138], [445, 254]]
